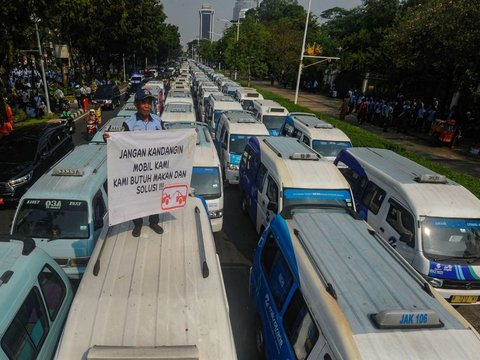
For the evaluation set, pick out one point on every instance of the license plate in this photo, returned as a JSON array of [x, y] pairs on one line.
[[463, 299]]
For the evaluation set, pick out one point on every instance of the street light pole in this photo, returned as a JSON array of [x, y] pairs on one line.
[[236, 49], [303, 51], [44, 78]]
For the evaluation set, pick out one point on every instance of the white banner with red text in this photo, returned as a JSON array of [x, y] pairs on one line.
[[149, 172]]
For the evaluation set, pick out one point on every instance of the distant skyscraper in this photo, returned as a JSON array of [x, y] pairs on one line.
[[241, 6], [206, 22]]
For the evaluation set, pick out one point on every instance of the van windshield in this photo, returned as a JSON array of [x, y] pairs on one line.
[[330, 148], [451, 237], [322, 197], [238, 143], [52, 219], [206, 182], [273, 122]]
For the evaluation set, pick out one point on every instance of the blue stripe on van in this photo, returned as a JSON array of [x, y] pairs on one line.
[[205, 170], [317, 194]]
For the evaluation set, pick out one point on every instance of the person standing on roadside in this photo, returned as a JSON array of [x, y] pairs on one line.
[[143, 120]]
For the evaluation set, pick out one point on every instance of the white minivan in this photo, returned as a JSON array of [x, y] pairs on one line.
[[234, 130], [433, 222], [153, 296]]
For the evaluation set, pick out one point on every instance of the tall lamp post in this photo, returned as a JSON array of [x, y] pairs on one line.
[[300, 66], [36, 20], [303, 51]]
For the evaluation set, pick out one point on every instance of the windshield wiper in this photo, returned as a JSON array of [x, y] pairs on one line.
[[464, 257]]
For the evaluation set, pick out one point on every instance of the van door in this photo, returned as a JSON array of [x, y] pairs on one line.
[[256, 194], [267, 204], [398, 228]]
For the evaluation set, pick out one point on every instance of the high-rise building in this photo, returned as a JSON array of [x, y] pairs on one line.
[[241, 6], [206, 22]]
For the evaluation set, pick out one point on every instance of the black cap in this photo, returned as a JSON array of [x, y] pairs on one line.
[[143, 94]]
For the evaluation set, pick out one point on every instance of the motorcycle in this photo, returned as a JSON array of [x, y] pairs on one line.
[[92, 127], [444, 132], [67, 120]]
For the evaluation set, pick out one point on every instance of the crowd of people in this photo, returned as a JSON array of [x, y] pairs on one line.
[[404, 114]]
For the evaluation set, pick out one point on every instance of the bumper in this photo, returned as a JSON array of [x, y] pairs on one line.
[[217, 224], [452, 294], [232, 176]]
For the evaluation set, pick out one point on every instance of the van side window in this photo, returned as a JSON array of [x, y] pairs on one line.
[[402, 221], [225, 140], [261, 174], [300, 327], [272, 190], [28, 330], [297, 133], [53, 290], [251, 160], [277, 272], [373, 197], [357, 182], [245, 157], [306, 140], [287, 129], [99, 208]]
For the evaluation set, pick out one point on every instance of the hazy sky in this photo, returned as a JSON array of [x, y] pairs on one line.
[[184, 13]]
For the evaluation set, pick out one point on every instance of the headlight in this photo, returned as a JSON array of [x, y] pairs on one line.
[[20, 181], [215, 214], [108, 101], [231, 166], [435, 282]]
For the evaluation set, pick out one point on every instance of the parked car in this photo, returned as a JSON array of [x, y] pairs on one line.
[[108, 96], [26, 154]]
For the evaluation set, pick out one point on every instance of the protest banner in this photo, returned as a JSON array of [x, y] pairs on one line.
[[148, 172]]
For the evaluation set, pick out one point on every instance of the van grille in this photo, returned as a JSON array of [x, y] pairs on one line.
[[461, 285]]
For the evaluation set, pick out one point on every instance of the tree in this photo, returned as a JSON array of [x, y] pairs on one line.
[[437, 40]]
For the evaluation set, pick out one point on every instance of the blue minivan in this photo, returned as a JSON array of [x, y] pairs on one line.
[[326, 287]]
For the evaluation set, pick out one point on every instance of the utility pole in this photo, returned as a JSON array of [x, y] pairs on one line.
[[44, 78]]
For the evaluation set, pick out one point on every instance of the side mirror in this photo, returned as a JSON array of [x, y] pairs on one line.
[[98, 224], [272, 206]]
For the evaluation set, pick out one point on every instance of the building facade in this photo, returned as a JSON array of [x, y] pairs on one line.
[[206, 22], [241, 6]]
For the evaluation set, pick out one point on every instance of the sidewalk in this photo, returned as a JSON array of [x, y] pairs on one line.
[[457, 159]]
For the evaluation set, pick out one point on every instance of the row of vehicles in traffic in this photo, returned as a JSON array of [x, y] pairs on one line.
[[358, 248], [346, 265]]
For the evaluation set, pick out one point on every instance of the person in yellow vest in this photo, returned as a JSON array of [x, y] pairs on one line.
[[98, 113]]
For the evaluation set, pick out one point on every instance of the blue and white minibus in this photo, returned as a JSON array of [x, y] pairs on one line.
[[276, 172], [433, 222]]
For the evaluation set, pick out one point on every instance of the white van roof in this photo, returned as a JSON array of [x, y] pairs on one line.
[[356, 281], [309, 172], [445, 198], [76, 177], [151, 292], [319, 129], [270, 106]]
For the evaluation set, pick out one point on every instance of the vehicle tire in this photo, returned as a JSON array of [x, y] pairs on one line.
[[259, 339], [244, 205]]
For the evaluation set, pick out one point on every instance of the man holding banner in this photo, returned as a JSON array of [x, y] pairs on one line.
[[149, 172]]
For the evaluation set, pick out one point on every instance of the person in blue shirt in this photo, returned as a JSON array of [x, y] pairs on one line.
[[143, 120]]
